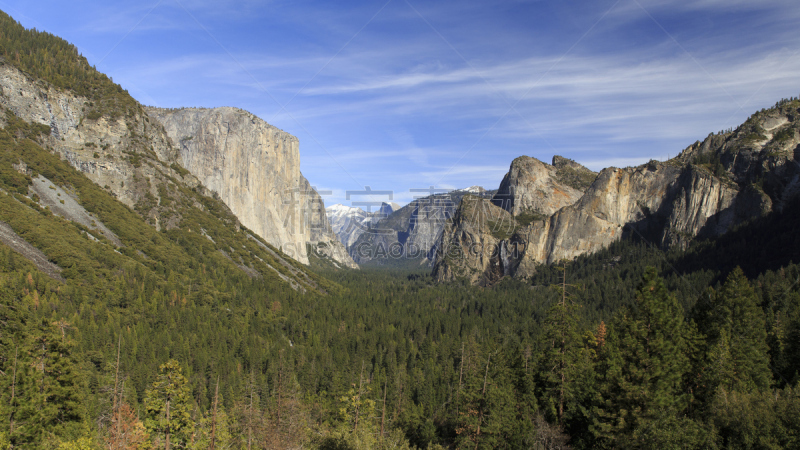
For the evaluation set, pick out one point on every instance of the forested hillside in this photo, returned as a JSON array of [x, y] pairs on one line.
[[452, 365], [191, 337], [53, 60]]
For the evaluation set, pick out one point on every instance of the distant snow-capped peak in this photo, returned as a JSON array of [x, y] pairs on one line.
[[473, 189], [339, 207]]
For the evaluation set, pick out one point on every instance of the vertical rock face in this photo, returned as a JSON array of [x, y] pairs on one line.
[[255, 169], [663, 203], [477, 244], [660, 202]]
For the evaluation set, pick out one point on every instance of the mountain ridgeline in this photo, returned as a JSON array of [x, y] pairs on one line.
[[540, 217], [562, 210], [406, 237], [349, 222], [141, 154]]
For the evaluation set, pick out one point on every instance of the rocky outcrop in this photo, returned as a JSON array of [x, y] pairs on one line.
[[477, 244], [34, 255], [712, 186], [410, 233], [120, 154], [534, 187], [65, 204], [663, 203], [255, 169], [132, 156], [660, 202]]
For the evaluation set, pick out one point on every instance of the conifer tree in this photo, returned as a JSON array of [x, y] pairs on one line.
[[489, 414], [50, 387], [737, 356], [563, 356], [12, 325], [643, 363], [168, 405], [213, 431]]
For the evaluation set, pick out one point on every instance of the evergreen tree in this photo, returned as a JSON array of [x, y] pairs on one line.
[[50, 389], [489, 413], [643, 363], [563, 358], [737, 357], [12, 325], [168, 405], [768, 419], [212, 428]]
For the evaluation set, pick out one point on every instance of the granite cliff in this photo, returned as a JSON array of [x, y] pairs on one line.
[[131, 156], [477, 243], [710, 187], [119, 153], [255, 169]]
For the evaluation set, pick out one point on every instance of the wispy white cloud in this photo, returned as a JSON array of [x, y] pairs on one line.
[[409, 96], [582, 92]]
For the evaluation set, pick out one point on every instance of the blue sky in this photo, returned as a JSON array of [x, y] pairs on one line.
[[405, 94]]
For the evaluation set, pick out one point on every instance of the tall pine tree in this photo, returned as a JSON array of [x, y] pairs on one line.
[[564, 362], [642, 364], [737, 357], [168, 403]]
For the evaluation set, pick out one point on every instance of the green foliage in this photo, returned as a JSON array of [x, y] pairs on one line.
[[527, 218], [219, 424], [784, 135], [643, 363], [153, 285], [576, 178], [364, 440], [442, 364], [42, 384], [751, 131], [496, 404], [753, 138], [180, 170], [566, 360], [135, 159], [409, 333], [763, 419], [670, 432], [736, 338], [501, 229], [710, 161], [168, 403]]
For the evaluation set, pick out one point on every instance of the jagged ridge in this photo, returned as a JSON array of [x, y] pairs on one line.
[[709, 188]]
